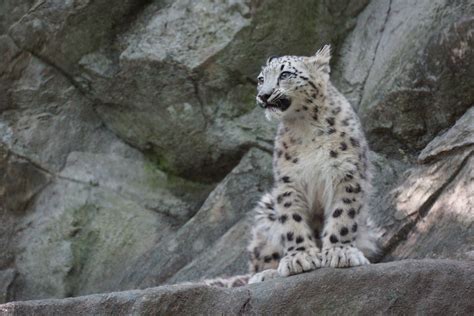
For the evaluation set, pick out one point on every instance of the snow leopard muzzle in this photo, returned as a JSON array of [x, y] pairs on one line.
[[282, 104]]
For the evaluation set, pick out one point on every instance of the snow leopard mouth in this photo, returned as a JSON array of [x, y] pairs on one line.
[[281, 104]]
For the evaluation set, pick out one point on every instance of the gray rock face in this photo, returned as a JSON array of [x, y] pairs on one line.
[[72, 195], [131, 151], [222, 215], [435, 200], [435, 287], [6, 279], [11, 11], [408, 69], [179, 73], [458, 137]]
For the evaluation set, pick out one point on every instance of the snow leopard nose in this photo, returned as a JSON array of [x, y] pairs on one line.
[[263, 98]]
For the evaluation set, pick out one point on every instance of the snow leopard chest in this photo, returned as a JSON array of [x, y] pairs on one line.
[[304, 163]]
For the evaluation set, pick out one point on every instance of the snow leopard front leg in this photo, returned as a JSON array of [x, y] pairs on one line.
[[341, 223], [290, 228]]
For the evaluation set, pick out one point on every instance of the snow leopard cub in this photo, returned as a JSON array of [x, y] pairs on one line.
[[316, 215]]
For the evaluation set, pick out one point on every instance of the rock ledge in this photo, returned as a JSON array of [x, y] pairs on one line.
[[427, 286]]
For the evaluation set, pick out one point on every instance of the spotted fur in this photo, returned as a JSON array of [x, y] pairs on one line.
[[316, 215]]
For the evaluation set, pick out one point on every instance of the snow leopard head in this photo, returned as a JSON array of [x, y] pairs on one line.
[[289, 80]]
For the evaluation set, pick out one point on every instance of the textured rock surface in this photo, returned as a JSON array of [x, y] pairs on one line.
[[432, 209], [6, 279], [408, 69], [226, 206], [179, 73], [434, 287], [131, 150]]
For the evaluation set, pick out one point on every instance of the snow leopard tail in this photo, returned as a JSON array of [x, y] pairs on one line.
[[235, 281], [368, 240]]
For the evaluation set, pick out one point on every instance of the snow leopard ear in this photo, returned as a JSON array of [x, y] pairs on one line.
[[271, 58], [321, 59]]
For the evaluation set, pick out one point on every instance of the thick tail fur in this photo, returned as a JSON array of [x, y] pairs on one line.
[[368, 240], [235, 281]]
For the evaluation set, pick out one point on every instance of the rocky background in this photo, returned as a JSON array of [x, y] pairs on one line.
[[131, 149]]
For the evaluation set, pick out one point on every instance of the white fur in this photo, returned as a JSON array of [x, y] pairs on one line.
[[321, 149]]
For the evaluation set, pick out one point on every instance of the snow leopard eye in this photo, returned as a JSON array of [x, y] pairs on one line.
[[260, 80], [285, 75]]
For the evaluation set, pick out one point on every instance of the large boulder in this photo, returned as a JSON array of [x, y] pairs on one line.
[[107, 223], [44, 117], [177, 79], [73, 196], [409, 70], [201, 247], [99, 215], [430, 212], [434, 287]]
